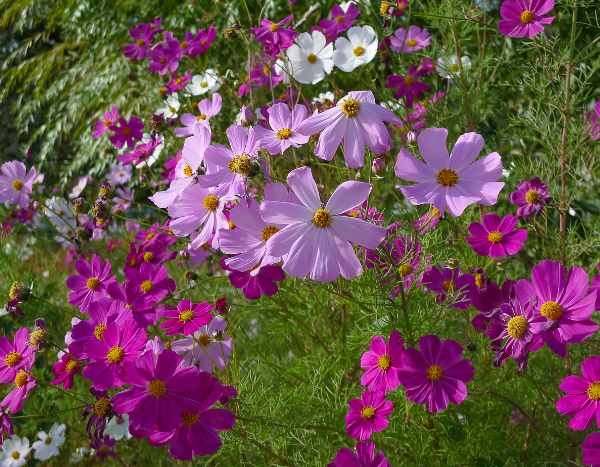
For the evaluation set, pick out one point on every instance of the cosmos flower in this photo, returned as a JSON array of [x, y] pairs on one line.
[[16, 183], [593, 121], [531, 197], [341, 19], [368, 415], [524, 18], [103, 124], [357, 121], [165, 56], [317, 239], [262, 280], [49, 444], [449, 67], [450, 181], [153, 281], [310, 57], [496, 236], [358, 49], [208, 81], [436, 374], [591, 449], [197, 44], [6, 426], [119, 174], [126, 132], [142, 35], [275, 36], [24, 383], [208, 108], [65, 370], [283, 124], [170, 107], [91, 282], [14, 452], [381, 363], [411, 41], [364, 455], [408, 86], [449, 284], [15, 356], [582, 398], [186, 318]]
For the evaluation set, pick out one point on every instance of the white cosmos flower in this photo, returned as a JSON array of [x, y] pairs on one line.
[[206, 82], [448, 67], [359, 49], [60, 214], [118, 427], [79, 453], [14, 452], [324, 97], [310, 57], [49, 444], [171, 107]]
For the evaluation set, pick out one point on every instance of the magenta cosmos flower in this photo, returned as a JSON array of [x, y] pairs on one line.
[[274, 36], [256, 282], [153, 281], [197, 44], [593, 120], [496, 236], [524, 18], [317, 239], [408, 86], [565, 299], [358, 121], [341, 19], [207, 109], [186, 318], [381, 363], [591, 449], [436, 374], [450, 181], [368, 415], [142, 35], [103, 124], [262, 75], [126, 132], [65, 370], [24, 383], [449, 284], [15, 356], [410, 41], [91, 282], [365, 456], [582, 399], [531, 197], [16, 183], [283, 132]]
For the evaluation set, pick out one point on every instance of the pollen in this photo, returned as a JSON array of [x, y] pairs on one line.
[[448, 286], [187, 170], [350, 107], [284, 133], [384, 7], [201, 117], [527, 17], [211, 202], [146, 286], [495, 236], [311, 58], [203, 340], [139, 42], [188, 419], [204, 84], [99, 331], [339, 19], [551, 310], [71, 365], [434, 373], [447, 177], [102, 407], [532, 197], [36, 337], [115, 355], [367, 412], [16, 455], [273, 27], [411, 42], [266, 69], [384, 362], [93, 283], [48, 440], [321, 218], [268, 232], [240, 164], [157, 388], [517, 327], [186, 316], [359, 51], [148, 256], [404, 269], [17, 184], [593, 391], [408, 80], [12, 359], [479, 280], [21, 378]]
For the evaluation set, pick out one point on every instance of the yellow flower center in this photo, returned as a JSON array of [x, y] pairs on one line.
[[268, 232], [150, 236], [17, 184], [204, 84], [188, 419], [102, 407], [99, 331], [527, 17], [48, 440], [367, 412], [284, 133], [434, 373], [92, 283], [350, 107], [211, 202], [201, 117], [447, 177], [517, 327], [36, 337], [140, 42], [157, 388], [454, 68], [187, 170], [240, 164], [404, 269], [384, 8], [551, 310], [146, 286], [274, 27], [479, 281], [71, 365], [184, 44], [495, 236], [186, 315], [321, 218], [448, 286], [115, 355], [148, 256], [359, 51], [384, 362], [21, 378], [411, 42], [16, 455], [532, 197], [311, 58], [203, 340], [408, 80], [339, 19], [266, 70], [12, 359], [593, 391]]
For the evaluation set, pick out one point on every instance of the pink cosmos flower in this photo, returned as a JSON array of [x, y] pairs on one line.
[[126, 132], [410, 41], [120, 347], [16, 183], [453, 181], [524, 18], [104, 124], [24, 383], [408, 86], [263, 75], [142, 35], [197, 44], [165, 56], [153, 281], [582, 399], [65, 370], [91, 282], [358, 121], [531, 197], [496, 236], [283, 132], [365, 456], [274, 36], [368, 415], [591, 449], [564, 298], [381, 363], [142, 152], [186, 318], [208, 108], [340, 20], [138, 304], [317, 239], [428, 221], [593, 120], [256, 282], [449, 284], [178, 82], [15, 356], [436, 374], [6, 426]]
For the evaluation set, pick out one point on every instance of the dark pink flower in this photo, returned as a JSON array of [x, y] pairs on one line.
[[126, 132], [6, 426], [408, 86], [591, 449], [531, 196], [340, 20], [103, 124], [449, 284], [165, 56], [593, 120], [368, 415], [256, 283], [91, 282], [178, 82], [365, 456], [24, 382], [142, 35], [15, 356], [197, 44], [274, 36], [152, 281], [381, 363], [582, 399], [524, 18], [65, 370], [496, 236], [187, 318]]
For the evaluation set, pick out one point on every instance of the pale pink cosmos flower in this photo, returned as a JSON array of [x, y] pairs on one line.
[[16, 183], [358, 121], [450, 181], [410, 41], [317, 239], [283, 133], [208, 108]]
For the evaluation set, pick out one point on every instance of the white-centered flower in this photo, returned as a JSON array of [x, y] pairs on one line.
[[448, 67], [206, 82], [118, 427], [14, 452], [49, 444], [171, 107], [310, 57], [358, 49]]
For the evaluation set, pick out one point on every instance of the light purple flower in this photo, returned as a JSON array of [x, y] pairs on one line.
[[208, 108], [408, 42], [283, 132], [119, 174], [16, 183], [593, 120]]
